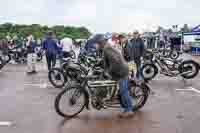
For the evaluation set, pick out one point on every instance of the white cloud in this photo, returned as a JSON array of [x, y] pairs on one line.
[[102, 15]]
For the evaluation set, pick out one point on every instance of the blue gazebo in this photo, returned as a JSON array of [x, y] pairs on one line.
[[193, 38]]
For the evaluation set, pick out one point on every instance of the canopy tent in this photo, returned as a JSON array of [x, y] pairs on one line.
[[196, 29], [193, 40]]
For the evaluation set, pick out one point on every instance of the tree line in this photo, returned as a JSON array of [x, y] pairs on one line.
[[38, 31]]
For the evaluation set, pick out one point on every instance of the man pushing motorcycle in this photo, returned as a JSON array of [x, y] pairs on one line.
[[117, 68]]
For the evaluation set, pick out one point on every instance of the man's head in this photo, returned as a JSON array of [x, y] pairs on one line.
[[49, 34], [100, 41], [136, 34], [130, 35], [122, 38]]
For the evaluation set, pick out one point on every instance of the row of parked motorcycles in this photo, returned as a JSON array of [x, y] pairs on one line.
[[169, 65], [84, 83], [18, 56]]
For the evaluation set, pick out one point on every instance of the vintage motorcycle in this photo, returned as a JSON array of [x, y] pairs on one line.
[[187, 69], [100, 92], [68, 71]]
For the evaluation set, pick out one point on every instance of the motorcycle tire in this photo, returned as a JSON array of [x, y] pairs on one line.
[[145, 91], [1, 63], [146, 69], [73, 55], [62, 74], [174, 55], [58, 101], [183, 66], [7, 58]]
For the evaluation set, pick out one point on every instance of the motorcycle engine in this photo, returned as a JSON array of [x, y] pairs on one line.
[[99, 95]]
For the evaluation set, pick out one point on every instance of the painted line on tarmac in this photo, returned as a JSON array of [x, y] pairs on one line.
[[195, 90], [44, 85], [189, 89], [184, 89], [5, 123]]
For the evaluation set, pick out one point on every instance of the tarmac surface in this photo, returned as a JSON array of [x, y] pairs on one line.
[[27, 106]]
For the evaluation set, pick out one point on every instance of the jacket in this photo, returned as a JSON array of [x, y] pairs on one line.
[[135, 49], [31, 47], [50, 46], [114, 64], [90, 45]]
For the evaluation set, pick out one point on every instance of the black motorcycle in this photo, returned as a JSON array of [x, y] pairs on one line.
[[187, 69], [69, 70]]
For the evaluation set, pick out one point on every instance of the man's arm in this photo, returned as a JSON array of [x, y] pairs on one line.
[[44, 45], [142, 48]]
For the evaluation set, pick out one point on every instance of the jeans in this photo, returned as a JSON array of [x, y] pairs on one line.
[[51, 60], [126, 102], [138, 72]]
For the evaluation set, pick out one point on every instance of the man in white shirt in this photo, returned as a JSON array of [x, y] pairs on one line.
[[67, 46]]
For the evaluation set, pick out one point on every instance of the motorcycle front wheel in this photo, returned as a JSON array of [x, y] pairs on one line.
[[70, 102], [149, 71], [189, 69], [57, 77], [1, 63]]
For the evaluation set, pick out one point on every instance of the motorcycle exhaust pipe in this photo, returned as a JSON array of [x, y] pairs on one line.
[[184, 73], [106, 83]]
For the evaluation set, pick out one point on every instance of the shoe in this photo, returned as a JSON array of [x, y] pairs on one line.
[[126, 114], [29, 73], [34, 72]]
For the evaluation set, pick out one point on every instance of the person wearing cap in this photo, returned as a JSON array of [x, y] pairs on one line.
[[51, 48], [136, 50], [116, 68]]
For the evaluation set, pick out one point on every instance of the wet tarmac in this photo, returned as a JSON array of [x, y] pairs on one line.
[[27, 105]]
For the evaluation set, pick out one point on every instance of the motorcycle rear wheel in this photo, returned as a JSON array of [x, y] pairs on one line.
[[139, 93]]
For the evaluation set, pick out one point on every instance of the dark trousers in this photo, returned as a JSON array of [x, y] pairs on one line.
[[138, 66], [51, 60]]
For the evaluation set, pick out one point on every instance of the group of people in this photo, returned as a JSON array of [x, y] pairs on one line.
[[117, 53], [52, 48]]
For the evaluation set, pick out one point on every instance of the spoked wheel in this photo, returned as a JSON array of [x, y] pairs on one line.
[[1, 63], [149, 71], [6, 58], [189, 69], [139, 94], [57, 77], [174, 54], [70, 102], [73, 55]]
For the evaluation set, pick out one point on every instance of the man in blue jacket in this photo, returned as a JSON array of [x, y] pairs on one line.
[[51, 48], [136, 50]]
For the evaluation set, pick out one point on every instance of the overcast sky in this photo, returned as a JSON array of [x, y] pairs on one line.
[[102, 15]]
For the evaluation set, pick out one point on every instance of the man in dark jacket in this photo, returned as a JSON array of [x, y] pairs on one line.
[[136, 50], [117, 68], [51, 48]]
